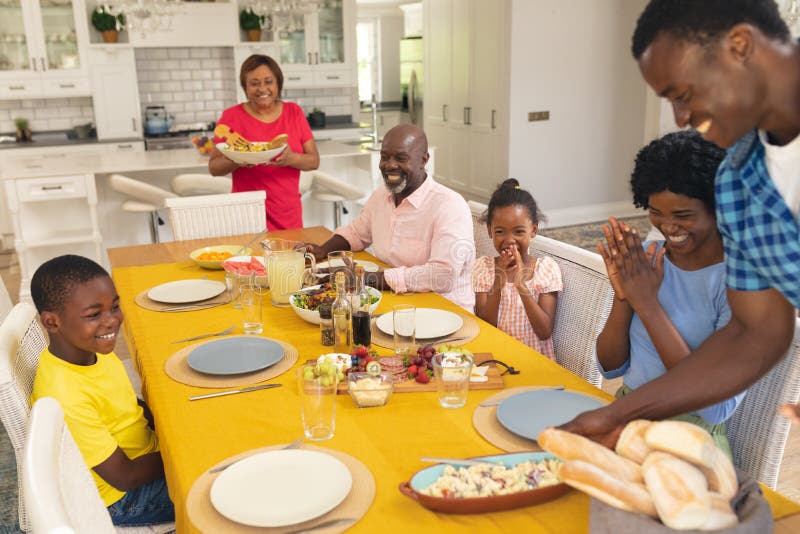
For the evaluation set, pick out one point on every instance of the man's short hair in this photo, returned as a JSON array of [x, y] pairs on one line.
[[54, 280], [703, 21]]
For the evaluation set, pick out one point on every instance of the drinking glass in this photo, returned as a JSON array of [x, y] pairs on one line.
[[232, 282], [252, 322], [285, 268], [451, 371], [405, 327], [317, 403], [342, 260]]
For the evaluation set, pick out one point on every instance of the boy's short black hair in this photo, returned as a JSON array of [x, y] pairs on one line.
[[53, 281], [702, 21], [681, 162]]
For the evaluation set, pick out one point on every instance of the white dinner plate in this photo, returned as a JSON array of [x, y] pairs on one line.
[[430, 323], [368, 265], [183, 291], [280, 488], [235, 355], [526, 414]]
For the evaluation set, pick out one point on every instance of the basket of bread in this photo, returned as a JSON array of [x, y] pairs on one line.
[[664, 476]]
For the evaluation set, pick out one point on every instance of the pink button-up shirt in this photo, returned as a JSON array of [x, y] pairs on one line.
[[427, 239]]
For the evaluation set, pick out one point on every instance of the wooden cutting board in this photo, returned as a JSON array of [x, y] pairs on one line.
[[412, 386]]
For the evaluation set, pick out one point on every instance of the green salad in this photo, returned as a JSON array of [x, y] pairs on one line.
[[312, 299]]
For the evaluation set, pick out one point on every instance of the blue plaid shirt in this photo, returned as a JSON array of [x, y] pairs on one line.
[[760, 233]]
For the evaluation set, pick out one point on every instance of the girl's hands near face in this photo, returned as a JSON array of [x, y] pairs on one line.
[[523, 273]]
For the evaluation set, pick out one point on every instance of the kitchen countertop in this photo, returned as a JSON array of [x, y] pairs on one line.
[[22, 166], [383, 106], [40, 140]]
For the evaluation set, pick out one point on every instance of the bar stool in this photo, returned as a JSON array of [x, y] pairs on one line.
[[189, 185], [326, 188], [149, 199]]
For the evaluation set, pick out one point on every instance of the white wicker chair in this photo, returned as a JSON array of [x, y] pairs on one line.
[[62, 494], [583, 305], [22, 340], [217, 215], [757, 433], [483, 243]]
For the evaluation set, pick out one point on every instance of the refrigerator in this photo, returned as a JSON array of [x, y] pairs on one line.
[[411, 79]]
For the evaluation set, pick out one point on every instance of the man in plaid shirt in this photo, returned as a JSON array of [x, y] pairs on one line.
[[732, 72]]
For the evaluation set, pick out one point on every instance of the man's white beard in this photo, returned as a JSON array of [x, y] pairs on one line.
[[397, 189]]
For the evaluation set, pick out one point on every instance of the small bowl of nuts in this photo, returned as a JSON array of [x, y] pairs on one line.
[[369, 389]]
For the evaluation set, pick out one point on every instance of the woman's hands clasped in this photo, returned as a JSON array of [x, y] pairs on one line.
[[635, 274]]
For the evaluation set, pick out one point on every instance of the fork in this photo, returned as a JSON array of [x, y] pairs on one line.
[[202, 336], [232, 138]]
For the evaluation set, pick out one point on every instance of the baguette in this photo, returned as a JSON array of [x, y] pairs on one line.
[[602, 485], [722, 515], [721, 475], [631, 443], [684, 440], [569, 446], [679, 491]]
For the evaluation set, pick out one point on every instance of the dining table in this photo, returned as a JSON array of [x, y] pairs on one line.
[[389, 440]]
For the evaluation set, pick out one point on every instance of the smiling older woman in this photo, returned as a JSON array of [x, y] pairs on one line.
[[262, 118]]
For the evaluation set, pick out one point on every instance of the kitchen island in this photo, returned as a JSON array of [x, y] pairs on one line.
[[59, 200]]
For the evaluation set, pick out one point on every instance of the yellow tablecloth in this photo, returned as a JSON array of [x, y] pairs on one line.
[[389, 440]]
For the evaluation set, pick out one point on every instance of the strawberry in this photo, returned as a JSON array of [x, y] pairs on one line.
[[422, 377], [412, 371], [361, 351]]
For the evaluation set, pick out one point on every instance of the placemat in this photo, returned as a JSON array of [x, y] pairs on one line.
[[469, 331], [153, 305], [178, 369], [205, 517], [484, 419]]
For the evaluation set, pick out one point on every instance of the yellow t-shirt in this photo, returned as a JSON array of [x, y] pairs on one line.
[[100, 410]]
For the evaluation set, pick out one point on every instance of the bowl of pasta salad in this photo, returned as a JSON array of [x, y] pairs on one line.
[[506, 481]]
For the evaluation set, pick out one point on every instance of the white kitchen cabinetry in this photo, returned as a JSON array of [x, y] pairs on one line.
[[386, 120], [115, 93], [52, 216], [41, 49], [322, 52], [466, 93]]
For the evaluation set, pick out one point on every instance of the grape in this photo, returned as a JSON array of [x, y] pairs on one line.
[[340, 376], [325, 381], [308, 373], [418, 361]]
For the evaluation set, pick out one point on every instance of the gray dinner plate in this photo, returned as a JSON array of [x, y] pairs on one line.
[[526, 414], [235, 355]]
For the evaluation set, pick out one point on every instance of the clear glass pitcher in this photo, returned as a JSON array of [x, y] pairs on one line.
[[286, 263]]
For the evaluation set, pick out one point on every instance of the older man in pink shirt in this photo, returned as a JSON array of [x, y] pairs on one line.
[[420, 227]]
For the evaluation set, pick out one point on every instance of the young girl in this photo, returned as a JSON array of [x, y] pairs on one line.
[[514, 291]]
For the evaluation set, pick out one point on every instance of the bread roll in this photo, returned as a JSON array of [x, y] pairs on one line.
[[602, 485], [722, 515], [679, 491], [631, 443], [721, 475], [569, 446], [682, 439]]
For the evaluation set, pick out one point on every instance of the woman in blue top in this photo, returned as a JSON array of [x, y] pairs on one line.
[[669, 295]]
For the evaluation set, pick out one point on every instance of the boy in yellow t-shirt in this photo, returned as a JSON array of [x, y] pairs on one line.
[[79, 307]]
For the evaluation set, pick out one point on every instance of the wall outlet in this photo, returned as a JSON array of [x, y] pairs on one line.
[[538, 116]]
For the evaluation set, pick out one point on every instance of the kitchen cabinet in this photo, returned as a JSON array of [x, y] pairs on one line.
[[320, 49], [466, 100], [115, 92], [52, 216], [42, 44]]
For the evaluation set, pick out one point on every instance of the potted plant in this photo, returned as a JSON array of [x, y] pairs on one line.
[[251, 22], [316, 119], [23, 133], [107, 23]]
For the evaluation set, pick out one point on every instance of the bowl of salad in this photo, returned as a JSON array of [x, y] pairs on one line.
[[306, 302]]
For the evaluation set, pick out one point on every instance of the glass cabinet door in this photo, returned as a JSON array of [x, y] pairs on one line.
[[331, 32], [13, 41], [292, 39], [60, 42]]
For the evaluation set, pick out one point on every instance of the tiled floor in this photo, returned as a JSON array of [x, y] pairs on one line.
[[585, 236]]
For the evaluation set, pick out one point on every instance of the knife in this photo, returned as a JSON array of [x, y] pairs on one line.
[[453, 461], [191, 306], [233, 391]]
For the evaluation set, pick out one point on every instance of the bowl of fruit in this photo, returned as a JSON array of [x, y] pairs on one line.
[[203, 142], [212, 257]]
